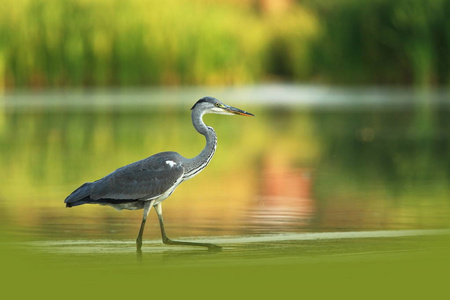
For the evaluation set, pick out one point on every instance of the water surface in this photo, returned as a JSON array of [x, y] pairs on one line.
[[314, 159]]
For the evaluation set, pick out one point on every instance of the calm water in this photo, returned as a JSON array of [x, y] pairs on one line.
[[314, 159]]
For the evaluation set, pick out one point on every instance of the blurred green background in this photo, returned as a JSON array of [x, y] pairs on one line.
[[64, 43], [351, 133]]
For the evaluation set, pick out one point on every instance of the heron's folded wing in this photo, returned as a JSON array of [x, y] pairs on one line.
[[136, 182]]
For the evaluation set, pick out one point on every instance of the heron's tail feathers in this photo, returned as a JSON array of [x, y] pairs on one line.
[[80, 196]]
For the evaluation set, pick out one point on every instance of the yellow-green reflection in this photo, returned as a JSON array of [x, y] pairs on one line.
[[287, 169]]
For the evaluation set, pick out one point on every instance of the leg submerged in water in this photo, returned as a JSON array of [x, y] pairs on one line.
[[147, 207], [166, 240]]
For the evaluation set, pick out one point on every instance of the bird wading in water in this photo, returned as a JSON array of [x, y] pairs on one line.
[[147, 183]]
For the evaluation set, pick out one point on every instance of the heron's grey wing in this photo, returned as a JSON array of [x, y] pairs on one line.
[[137, 181]]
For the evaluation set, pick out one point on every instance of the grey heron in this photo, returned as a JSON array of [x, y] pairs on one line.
[[147, 183]]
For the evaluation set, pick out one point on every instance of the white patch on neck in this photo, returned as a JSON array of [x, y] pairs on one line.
[[171, 163]]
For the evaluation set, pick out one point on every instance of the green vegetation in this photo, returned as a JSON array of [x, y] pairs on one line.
[[76, 42], [383, 41], [128, 43]]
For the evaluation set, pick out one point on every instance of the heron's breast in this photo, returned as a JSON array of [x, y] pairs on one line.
[[160, 198]]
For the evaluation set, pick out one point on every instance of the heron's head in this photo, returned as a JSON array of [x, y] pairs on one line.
[[210, 105]]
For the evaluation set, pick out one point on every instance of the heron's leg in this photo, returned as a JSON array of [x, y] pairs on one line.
[[166, 240], [147, 206]]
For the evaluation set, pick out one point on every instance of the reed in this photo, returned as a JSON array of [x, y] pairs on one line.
[[102, 43], [383, 42], [58, 43]]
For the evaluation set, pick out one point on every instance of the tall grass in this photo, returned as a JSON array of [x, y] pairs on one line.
[[152, 42], [102, 42], [383, 41]]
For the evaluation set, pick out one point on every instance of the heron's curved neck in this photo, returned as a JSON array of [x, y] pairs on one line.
[[195, 165]]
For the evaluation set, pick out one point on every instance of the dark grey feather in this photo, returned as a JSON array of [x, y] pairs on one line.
[[140, 180], [80, 193]]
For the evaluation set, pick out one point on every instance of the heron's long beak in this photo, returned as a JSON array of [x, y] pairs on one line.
[[237, 111]]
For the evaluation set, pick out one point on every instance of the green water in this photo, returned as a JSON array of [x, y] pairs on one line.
[[392, 268], [312, 161]]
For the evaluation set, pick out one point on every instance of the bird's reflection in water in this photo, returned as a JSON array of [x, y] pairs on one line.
[[170, 256]]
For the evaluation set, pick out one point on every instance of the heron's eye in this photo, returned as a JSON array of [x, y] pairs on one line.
[[218, 105]]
